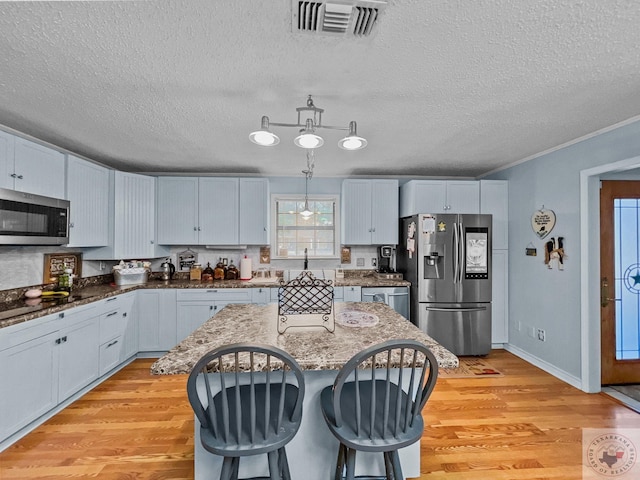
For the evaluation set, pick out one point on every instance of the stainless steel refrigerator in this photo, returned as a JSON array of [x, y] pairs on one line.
[[447, 259]]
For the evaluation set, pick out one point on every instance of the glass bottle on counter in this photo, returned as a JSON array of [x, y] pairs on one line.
[[65, 280], [218, 273], [207, 273], [232, 272], [195, 272]]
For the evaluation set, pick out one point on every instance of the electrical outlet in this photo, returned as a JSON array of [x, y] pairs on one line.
[[360, 262], [374, 262], [541, 335]]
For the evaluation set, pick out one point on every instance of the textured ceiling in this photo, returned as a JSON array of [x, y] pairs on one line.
[[441, 88]]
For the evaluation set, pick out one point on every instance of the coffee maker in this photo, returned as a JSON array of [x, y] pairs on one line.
[[168, 269], [385, 256]]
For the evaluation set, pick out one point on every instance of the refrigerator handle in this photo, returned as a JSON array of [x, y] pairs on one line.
[[463, 251], [470, 309], [456, 251]]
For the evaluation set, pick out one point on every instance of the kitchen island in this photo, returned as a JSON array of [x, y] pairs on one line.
[[321, 354]]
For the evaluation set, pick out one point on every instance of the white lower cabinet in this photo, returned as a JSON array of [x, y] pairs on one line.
[[500, 297], [41, 364], [156, 312], [28, 381], [196, 306], [118, 331], [352, 294]]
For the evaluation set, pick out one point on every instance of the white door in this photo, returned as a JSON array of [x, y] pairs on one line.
[[178, 211]]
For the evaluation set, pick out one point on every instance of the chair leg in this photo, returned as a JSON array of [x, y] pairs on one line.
[[340, 462], [388, 466], [351, 463], [283, 466], [236, 468], [274, 471], [397, 468], [226, 473]]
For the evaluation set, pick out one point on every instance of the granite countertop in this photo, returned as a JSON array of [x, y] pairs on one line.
[[16, 310], [317, 350]]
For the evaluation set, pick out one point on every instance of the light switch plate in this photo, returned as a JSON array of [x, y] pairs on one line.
[[360, 262]]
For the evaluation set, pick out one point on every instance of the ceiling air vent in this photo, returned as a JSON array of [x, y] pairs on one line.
[[338, 18]]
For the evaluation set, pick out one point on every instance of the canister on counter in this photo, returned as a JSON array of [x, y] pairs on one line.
[[207, 273], [195, 273]]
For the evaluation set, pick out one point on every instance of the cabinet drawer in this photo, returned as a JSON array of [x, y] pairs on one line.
[[207, 294], [112, 324], [110, 354], [24, 332]]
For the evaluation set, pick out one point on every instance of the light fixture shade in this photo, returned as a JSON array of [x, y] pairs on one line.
[[352, 141], [263, 136], [308, 139]]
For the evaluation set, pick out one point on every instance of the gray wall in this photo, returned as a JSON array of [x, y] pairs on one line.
[[539, 297]]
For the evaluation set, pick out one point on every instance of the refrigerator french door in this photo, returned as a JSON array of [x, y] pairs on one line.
[[447, 259]]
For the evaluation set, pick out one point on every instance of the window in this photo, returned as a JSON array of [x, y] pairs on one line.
[[293, 233]]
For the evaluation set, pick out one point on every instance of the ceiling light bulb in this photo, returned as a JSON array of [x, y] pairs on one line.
[[263, 136], [352, 141], [308, 140]]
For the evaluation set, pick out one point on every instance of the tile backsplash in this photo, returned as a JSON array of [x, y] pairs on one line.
[[23, 266]]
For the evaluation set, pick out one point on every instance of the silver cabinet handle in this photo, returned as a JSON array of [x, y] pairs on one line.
[[112, 314], [470, 309], [112, 343]]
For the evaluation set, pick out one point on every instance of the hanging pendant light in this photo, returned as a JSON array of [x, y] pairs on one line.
[[306, 211], [307, 138]]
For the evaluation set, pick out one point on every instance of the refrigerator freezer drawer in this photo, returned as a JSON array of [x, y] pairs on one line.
[[463, 329]]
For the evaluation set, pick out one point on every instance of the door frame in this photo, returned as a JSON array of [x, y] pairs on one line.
[[590, 278]]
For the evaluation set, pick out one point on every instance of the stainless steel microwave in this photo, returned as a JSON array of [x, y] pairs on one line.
[[28, 219]]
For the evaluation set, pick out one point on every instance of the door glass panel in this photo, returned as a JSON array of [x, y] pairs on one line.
[[627, 273]]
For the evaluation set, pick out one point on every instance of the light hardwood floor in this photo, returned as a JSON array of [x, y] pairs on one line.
[[524, 425]]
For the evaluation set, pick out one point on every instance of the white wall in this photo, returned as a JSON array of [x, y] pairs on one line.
[[551, 299]]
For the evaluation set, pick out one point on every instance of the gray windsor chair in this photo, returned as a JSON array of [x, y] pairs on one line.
[[367, 409], [248, 399]]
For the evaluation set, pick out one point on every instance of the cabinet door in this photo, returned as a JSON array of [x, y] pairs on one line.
[[463, 196], [254, 211], [88, 192], [500, 297], [261, 295], [7, 142], [494, 199], [78, 342], [429, 196], [156, 311], [38, 169], [191, 315], [384, 212], [177, 207], [352, 294], [28, 382], [218, 211], [356, 212], [134, 226]]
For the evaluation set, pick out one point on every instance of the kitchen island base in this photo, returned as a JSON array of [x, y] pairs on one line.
[[313, 451]]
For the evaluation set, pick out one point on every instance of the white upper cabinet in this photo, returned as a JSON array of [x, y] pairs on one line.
[[213, 211], [131, 219], [494, 199], [254, 211], [26, 166], [439, 196], [88, 192], [218, 206], [178, 222], [369, 212]]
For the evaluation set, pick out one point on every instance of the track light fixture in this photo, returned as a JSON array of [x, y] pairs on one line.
[[308, 137]]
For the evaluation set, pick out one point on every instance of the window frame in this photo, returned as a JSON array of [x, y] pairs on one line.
[[275, 198]]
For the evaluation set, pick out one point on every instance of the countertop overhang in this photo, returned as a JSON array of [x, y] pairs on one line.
[[316, 350]]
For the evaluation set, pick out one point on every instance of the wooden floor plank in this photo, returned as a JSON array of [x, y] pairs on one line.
[[524, 425]]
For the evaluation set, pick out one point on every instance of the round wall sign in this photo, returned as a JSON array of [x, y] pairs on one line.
[[543, 222]]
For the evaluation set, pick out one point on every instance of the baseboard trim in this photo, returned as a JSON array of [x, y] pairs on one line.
[[547, 367]]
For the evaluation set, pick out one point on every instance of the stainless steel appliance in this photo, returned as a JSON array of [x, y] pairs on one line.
[[168, 269], [447, 259], [396, 297], [28, 219]]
